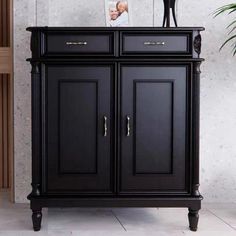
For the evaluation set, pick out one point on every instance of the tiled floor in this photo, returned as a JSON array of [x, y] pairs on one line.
[[215, 220]]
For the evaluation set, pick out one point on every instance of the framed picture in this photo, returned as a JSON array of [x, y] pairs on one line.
[[118, 13]]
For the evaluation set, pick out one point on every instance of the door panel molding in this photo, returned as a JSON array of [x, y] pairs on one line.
[[63, 129], [153, 119]]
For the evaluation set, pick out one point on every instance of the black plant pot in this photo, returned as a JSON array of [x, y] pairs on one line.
[[169, 5]]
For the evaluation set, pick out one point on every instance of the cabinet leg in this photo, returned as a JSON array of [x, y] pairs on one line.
[[193, 219], [37, 218]]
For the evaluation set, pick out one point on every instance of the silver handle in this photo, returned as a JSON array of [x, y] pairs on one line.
[[77, 43], [127, 126], [105, 126], [154, 43]]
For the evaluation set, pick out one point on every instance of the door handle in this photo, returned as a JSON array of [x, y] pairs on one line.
[[105, 126], [148, 43], [77, 43], [128, 126]]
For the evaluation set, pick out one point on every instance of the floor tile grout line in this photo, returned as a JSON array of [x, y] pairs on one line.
[[119, 220], [220, 219]]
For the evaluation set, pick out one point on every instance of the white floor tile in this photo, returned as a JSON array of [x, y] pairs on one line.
[[59, 233], [227, 215], [126, 233], [220, 205], [209, 233], [207, 221], [164, 219], [23, 233], [15, 219], [83, 219], [215, 220], [19, 219]]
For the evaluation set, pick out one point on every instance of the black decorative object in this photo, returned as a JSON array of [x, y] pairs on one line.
[[169, 5]]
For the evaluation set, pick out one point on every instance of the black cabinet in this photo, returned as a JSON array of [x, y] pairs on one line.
[[116, 124]]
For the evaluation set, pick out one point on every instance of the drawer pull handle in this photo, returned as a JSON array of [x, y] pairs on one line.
[[105, 126], [76, 43], [154, 43], [127, 126]]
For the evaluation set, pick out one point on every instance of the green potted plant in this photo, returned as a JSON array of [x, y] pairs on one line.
[[229, 8]]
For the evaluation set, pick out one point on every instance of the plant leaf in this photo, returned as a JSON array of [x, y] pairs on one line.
[[234, 52], [232, 30], [229, 8], [231, 24], [225, 8], [229, 39], [234, 49], [232, 11]]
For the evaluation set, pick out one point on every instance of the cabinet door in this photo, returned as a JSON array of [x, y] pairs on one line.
[[79, 129], [153, 129]]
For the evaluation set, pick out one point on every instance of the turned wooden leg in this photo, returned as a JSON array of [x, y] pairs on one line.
[[193, 219], [37, 218]]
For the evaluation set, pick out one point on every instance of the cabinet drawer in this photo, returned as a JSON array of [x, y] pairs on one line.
[[155, 43], [79, 43]]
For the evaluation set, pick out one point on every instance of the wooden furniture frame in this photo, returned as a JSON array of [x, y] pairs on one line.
[[6, 96], [75, 68]]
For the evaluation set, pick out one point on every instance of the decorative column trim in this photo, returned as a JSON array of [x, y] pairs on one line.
[[196, 127], [36, 129]]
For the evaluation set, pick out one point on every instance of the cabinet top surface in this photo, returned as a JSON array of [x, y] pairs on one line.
[[45, 28]]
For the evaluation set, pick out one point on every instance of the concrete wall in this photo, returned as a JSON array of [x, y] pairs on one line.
[[218, 86]]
